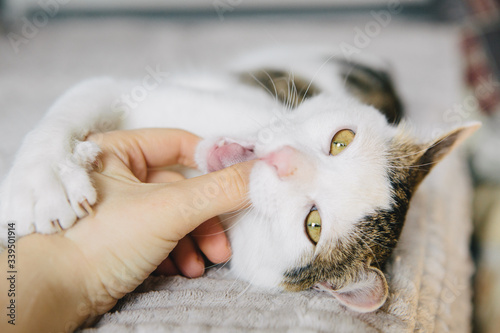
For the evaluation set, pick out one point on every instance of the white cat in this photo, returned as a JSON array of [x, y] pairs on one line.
[[329, 194]]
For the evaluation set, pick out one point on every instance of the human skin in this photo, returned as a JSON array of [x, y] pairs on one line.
[[70, 277]]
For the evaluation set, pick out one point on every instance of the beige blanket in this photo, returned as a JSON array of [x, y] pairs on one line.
[[428, 278]]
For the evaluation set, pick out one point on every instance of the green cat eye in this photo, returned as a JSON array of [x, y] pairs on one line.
[[313, 225], [340, 141]]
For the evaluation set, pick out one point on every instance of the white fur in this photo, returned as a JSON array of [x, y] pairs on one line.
[[49, 179], [343, 189]]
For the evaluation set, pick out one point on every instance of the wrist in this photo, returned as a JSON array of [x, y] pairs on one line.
[[52, 288]]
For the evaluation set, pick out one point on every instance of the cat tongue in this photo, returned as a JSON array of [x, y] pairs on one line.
[[227, 155]]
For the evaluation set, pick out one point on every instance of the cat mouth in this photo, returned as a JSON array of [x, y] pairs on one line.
[[224, 154]]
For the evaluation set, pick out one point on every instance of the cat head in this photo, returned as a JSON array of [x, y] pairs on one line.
[[329, 195]]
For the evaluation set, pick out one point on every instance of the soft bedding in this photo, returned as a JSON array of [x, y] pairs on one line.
[[428, 279]]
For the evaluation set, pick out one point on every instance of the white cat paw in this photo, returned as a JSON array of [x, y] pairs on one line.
[[46, 196], [74, 174]]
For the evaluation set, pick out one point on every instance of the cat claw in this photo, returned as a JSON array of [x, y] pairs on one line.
[[87, 207], [97, 165], [47, 196], [57, 225]]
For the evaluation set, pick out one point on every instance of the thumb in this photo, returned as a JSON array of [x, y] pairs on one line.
[[201, 198]]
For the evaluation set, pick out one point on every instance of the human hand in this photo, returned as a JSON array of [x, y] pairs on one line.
[[134, 226], [141, 159], [152, 220]]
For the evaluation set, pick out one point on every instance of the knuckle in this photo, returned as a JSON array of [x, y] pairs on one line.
[[233, 184]]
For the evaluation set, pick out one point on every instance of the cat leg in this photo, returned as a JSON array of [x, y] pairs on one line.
[[49, 186]]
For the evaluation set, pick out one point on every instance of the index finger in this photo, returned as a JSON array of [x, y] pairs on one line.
[[150, 148], [165, 146]]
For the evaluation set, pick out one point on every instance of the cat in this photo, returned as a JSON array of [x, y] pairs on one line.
[[329, 193]]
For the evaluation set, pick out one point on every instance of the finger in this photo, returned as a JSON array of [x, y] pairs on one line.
[[113, 152], [159, 147], [167, 267], [187, 258], [212, 241], [162, 146], [163, 176], [198, 199]]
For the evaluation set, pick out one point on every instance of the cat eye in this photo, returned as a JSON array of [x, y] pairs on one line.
[[340, 141], [313, 225]]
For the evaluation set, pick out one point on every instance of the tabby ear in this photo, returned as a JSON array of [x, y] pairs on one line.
[[365, 295], [441, 147]]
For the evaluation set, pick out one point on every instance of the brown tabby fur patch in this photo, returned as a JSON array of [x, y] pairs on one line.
[[287, 88], [373, 87], [370, 86]]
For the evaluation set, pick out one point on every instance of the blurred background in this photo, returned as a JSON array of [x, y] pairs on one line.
[[445, 56]]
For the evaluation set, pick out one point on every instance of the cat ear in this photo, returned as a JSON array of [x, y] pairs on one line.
[[365, 295], [441, 147]]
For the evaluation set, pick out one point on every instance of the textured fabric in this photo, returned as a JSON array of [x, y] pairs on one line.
[[428, 279], [429, 275]]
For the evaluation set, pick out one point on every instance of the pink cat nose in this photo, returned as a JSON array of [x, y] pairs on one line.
[[284, 160]]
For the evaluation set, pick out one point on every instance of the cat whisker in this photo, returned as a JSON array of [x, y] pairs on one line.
[[372, 240], [227, 229], [295, 94], [418, 152], [317, 72], [249, 284], [224, 266], [396, 157], [240, 211], [234, 281], [366, 244], [416, 166], [237, 278], [259, 125], [236, 222], [291, 100], [347, 76], [241, 214], [224, 275], [245, 202], [220, 264], [275, 95]]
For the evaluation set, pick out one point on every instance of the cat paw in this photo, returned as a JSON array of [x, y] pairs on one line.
[[46, 196], [219, 153]]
